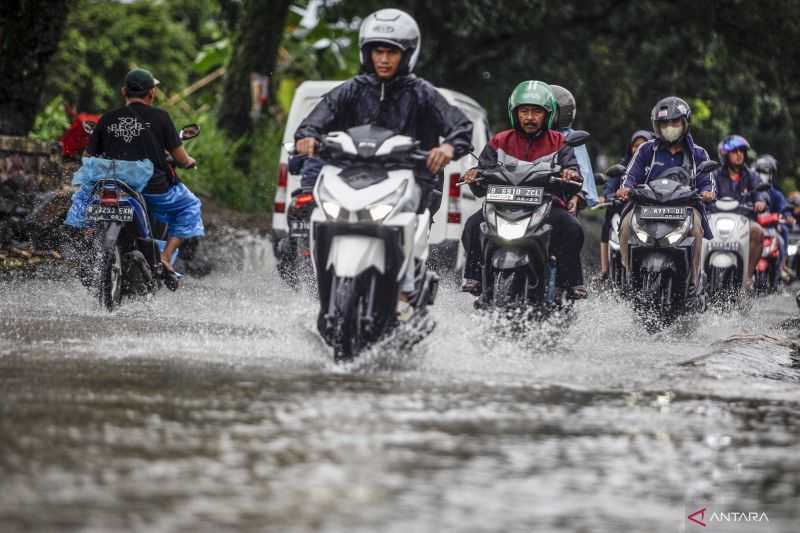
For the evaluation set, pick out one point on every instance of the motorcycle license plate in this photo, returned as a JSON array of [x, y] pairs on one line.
[[731, 246], [506, 194], [663, 213], [117, 213], [298, 228]]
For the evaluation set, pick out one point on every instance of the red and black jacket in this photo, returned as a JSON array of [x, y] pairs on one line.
[[516, 145]]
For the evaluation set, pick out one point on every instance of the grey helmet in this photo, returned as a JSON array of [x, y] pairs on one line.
[[566, 107], [392, 27], [766, 167], [670, 108]]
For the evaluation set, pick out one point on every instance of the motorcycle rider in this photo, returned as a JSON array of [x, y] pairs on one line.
[[138, 131], [531, 111], [610, 189], [766, 169], [567, 109], [389, 95], [735, 180], [672, 147]]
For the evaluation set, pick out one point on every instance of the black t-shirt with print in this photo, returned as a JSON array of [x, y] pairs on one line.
[[123, 134]]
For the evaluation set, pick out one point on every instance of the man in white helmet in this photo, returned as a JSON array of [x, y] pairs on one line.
[[389, 95]]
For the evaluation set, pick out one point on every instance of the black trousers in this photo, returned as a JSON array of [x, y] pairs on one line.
[[566, 241]]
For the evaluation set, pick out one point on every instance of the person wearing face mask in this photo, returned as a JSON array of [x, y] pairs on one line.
[[766, 171], [672, 147]]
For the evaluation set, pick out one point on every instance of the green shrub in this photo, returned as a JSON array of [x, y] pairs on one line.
[[216, 174]]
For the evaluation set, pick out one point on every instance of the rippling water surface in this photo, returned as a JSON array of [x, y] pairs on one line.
[[218, 408]]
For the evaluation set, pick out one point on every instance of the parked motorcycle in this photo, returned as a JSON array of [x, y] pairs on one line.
[[368, 236], [518, 270], [768, 268], [726, 256], [125, 248], [661, 247]]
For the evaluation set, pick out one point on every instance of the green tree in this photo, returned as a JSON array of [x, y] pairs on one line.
[[29, 34]]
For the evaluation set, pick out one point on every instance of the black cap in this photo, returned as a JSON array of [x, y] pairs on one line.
[[139, 80]]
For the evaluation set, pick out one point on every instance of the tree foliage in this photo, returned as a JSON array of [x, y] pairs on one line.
[[733, 60]]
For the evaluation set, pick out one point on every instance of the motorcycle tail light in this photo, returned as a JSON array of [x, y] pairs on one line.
[[303, 199], [454, 195], [109, 197]]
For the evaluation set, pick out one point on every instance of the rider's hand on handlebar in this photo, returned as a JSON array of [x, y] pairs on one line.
[[439, 157], [760, 206], [707, 196], [623, 192], [471, 175], [307, 146], [572, 205], [570, 174]]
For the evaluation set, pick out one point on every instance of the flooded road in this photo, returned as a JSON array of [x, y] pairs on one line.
[[217, 408]]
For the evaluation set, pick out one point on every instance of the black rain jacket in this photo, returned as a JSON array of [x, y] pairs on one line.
[[405, 104]]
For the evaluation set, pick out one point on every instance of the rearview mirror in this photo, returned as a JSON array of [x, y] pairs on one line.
[[707, 166], [577, 137], [89, 126], [600, 178], [616, 171], [189, 132]]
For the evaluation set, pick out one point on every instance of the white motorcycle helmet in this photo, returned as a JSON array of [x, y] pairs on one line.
[[393, 27]]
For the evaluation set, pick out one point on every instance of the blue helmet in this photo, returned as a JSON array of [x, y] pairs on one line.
[[730, 144]]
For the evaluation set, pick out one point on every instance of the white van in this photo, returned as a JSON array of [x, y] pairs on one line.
[[458, 203]]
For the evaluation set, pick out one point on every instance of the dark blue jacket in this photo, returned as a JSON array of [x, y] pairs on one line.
[[777, 202], [743, 190], [653, 157]]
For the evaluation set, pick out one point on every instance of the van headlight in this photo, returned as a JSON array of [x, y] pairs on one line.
[[676, 235]]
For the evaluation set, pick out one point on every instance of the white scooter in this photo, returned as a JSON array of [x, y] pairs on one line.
[[369, 239], [725, 257]]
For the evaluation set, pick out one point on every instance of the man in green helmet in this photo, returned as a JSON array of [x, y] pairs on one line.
[[531, 111]]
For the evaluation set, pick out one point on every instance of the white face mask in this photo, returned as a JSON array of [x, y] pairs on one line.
[[671, 133]]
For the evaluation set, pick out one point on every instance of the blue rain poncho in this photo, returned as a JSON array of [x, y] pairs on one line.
[[178, 208]]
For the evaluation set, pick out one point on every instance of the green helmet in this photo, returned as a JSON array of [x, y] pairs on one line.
[[532, 93]]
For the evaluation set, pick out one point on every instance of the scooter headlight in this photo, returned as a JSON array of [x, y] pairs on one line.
[[792, 249], [328, 203], [640, 233], [512, 230], [677, 235], [331, 209], [383, 207], [725, 227], [490, 213]]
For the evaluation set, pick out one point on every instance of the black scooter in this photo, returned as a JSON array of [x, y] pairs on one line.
[[661, 247], [517, 268]]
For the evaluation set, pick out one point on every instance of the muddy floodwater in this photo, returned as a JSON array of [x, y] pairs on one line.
[[218, 408]]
